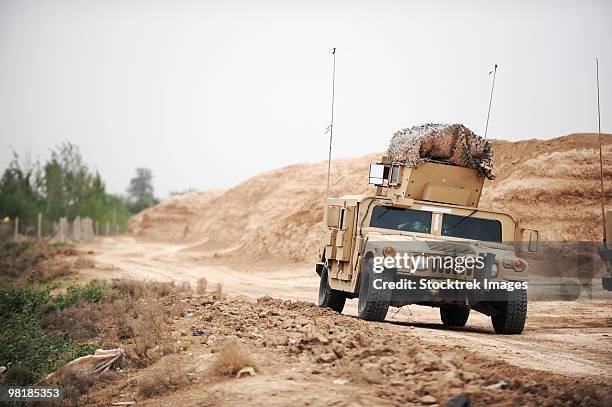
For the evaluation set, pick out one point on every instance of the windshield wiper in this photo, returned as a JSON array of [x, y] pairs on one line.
[[387, 209], [464, 218]]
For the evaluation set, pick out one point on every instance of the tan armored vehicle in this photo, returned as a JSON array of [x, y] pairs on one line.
[[426, 214]]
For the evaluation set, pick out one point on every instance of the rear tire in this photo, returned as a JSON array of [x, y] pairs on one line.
[[454, 316], [373, 304], [511, 319], [328, 297]]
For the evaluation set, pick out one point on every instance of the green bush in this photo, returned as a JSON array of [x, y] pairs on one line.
[[26, 346], [92, 292], [22, 300], [15, 248]]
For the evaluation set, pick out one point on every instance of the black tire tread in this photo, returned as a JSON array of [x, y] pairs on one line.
[[511, 320], [455, 316], [332, 299], [337, 299], [377, 301]]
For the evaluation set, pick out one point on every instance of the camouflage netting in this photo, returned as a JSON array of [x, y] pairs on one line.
[[452, 143]]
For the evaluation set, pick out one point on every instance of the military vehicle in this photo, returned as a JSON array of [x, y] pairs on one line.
[[605, 252], [427, 210]]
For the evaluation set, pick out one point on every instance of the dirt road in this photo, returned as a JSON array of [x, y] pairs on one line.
[[570, 338]]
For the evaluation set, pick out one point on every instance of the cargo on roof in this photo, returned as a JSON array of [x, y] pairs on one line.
[[452, 143]]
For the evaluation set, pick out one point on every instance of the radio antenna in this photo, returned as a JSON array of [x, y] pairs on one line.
[[494, 71], [330, 128], [603, 211]]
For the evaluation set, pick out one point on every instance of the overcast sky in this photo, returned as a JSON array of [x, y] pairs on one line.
[[207, 94]]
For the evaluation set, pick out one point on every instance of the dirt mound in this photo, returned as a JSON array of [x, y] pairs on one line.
[[283, 205], [171, 219], [552, 185]]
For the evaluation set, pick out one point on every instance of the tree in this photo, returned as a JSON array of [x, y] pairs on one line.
[[69, 183], [64, 186], [140, 190], [18, 194], [141, 185]]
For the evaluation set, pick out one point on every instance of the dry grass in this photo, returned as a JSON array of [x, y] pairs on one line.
[[201, 286], [150, 331], [83, 262], [139, 289], [133, 317], [75, 384], [218, 293], [78, 323], [38, 262], [165, 377], [231, 358], [51, 270]]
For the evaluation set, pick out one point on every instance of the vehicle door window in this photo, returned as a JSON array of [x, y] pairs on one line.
[[405, 220]]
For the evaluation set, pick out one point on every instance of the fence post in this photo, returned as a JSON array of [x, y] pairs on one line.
[[63, 228], [39, 226], [16, 227]]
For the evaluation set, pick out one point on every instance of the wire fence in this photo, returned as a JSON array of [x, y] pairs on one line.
[[78, 230]]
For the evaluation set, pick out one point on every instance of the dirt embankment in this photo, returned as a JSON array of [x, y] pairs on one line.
[[172, 219], [552, 185], [305, 355]]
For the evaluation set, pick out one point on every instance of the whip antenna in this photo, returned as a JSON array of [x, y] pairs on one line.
[[603, 211], [330, 128], [494, 71]]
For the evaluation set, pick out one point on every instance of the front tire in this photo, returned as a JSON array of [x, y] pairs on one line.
[[373, 304], [513, 313], [328, 297], [454, 316]]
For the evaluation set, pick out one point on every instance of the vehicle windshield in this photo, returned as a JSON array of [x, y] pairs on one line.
[[406, 220], [488, 230]]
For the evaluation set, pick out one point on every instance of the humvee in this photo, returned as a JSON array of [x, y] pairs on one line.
[[427, 211]]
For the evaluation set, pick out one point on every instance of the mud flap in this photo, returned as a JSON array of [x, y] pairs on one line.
[[319, 268], [606, 282]]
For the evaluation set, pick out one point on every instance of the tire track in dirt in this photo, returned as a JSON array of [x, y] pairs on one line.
[[570, 338]]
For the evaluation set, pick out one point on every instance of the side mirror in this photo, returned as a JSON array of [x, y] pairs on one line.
[[395, 175], [333, 216], [530, 241], [378, 176]]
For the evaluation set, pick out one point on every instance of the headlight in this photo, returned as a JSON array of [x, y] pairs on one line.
[[389, 251], [519, 265], [494, 270], [516, 264]]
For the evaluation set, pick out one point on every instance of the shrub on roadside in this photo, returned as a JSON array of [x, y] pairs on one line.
[[92, 292], [34, 261], [167, 376], [231, 358], [201, 286]]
